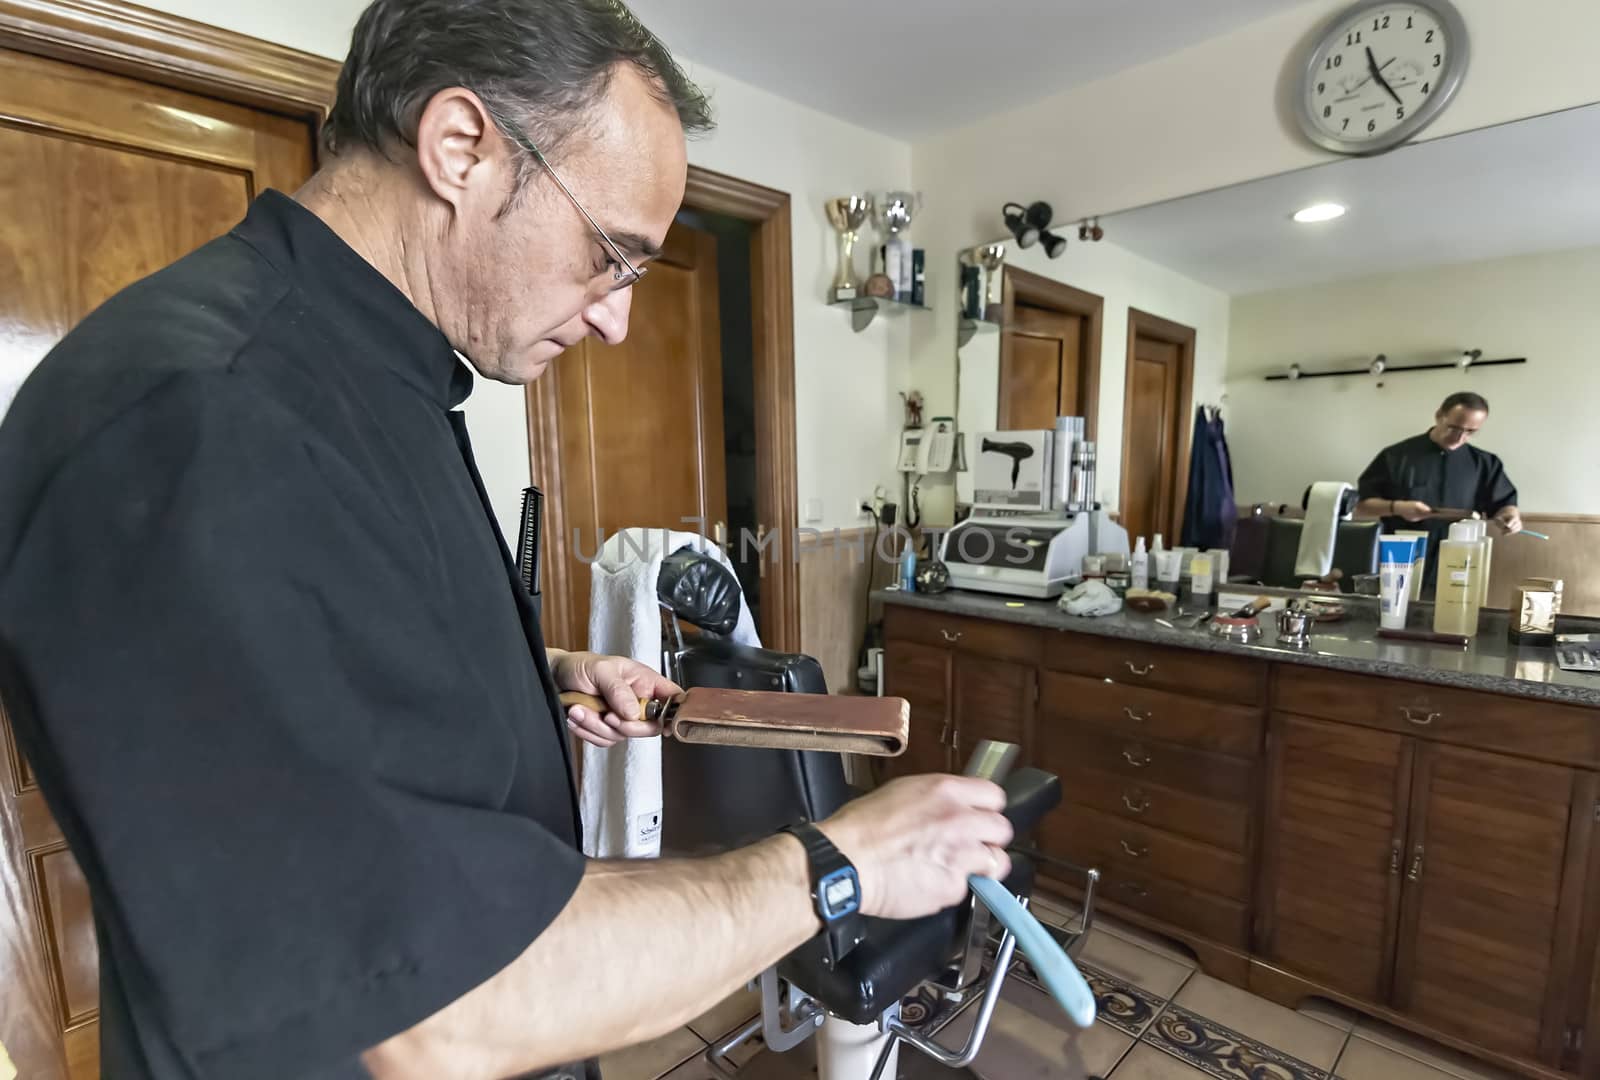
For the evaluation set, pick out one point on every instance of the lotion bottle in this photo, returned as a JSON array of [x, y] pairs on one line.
[[1139, 566], [1455, 607]]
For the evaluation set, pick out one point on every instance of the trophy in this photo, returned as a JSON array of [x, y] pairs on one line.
[[892, 212], [991, 257], [846, 215]]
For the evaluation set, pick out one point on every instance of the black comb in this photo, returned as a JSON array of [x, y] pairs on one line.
[[528, 542]]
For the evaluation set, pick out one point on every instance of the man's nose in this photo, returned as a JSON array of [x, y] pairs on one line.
[[608, 316]]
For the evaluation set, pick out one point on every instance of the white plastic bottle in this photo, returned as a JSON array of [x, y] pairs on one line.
[[1156, 547], [1139, 566]]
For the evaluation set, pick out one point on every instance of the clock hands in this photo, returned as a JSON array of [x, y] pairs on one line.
[[1377, 73]]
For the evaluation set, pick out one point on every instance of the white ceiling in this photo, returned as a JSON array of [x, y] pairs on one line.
[[1519, 188], [916, 67]]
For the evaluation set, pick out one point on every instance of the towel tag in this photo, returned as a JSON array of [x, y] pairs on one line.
[[647, 828]]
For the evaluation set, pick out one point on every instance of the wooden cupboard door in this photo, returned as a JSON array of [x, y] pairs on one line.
[[922, 675], [993, 700], [103, 180], [1041, 369], [1334, 830], [1151, 461], [1484, 925]]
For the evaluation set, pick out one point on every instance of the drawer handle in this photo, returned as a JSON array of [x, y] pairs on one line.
[[1415, 873], [1137, 853], [1422, 720], [1135, 717], [944, 733], [948, 636], [1136, 669], [1130, 887], [1136, 762], [1136, 807]]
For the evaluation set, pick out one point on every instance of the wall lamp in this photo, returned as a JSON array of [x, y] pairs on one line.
[[1030, 225]]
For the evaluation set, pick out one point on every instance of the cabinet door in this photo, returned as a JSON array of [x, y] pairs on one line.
[[1485, 930], [1334, 829], [993, 700], [921, 674]]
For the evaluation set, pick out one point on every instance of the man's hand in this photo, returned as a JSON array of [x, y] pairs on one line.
[[1411, 509], [621, 682], [1508, 520], [915, 840]]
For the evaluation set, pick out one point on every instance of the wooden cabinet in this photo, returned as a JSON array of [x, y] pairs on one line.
[[1334, 852], [1428, 853]]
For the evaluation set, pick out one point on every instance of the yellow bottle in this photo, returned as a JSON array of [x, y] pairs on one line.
[[1460, 582]]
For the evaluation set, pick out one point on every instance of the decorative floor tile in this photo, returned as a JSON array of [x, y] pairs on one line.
[[1120, 1004], [1030, 1038], [1134, 964], [1262, 1021], [1223, 1053]]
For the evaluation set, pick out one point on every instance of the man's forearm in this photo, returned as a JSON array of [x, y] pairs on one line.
[[642, 948], [1374, 508]]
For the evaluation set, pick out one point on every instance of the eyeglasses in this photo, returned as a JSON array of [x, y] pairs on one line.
[[626, 273], [1464, 432]]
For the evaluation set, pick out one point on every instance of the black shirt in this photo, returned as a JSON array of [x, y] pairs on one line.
[[1465, 478], [269, 660]]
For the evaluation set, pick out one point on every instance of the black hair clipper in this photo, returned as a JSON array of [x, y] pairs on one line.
[[528, 542]]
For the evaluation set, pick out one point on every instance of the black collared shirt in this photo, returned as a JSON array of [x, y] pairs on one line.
[[267, 656], [1466, 478]]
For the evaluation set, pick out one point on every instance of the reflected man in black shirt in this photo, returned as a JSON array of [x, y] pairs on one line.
[[1437, 470]]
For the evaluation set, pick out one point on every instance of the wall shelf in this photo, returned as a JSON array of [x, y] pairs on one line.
[[863, 309], [968, 328]]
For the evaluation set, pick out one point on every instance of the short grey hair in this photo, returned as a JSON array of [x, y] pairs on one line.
[[542, 64]]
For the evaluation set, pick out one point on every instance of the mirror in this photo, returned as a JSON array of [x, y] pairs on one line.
[[1467, 264]]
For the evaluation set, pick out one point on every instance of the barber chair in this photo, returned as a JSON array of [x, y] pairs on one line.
[[1355, 551], [718, 798]]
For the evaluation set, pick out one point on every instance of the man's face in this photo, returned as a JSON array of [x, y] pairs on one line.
[[1452, 429], [533, 278]]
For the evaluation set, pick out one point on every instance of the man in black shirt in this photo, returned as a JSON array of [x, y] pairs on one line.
[[1440, 469], [267, 652]]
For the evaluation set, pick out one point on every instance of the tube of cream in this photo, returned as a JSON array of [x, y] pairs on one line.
[[1395, 558]]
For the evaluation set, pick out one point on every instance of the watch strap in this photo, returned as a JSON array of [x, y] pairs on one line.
[[842, 932]]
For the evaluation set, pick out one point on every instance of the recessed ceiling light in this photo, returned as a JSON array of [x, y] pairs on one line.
[[1326, 211]]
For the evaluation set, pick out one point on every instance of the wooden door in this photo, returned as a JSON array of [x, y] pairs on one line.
[[993, 700], [921, 674], [1041, 369], [641, 422], [1335, 827], [1155, 425], [1484, 927], [104, 180]]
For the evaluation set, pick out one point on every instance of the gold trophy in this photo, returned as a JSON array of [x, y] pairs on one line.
[[846, 215], [992, 257]]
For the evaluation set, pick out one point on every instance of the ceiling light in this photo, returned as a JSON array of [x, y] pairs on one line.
[[1326, 211], [1026, 223], [1054, 243]]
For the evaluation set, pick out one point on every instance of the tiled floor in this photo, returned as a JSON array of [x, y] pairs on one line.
[[1160, 1019]]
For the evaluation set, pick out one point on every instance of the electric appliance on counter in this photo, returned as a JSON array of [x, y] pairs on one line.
[[1033, 555]]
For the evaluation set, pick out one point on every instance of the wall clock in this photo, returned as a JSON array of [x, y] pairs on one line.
[[1379, 73]]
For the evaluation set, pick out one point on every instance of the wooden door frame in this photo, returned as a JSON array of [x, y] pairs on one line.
[[1144, 324], [1039, 291], [777, 501]]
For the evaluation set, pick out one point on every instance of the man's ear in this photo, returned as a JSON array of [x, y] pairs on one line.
[[459, 148]]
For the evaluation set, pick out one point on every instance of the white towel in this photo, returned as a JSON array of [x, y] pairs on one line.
[[621, 791], [1320, 529]]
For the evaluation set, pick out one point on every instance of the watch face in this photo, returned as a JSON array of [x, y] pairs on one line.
[[840, 893], [1380, 73]]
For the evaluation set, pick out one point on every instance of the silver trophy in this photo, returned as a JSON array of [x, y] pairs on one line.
[[892, 212], [991, 257], [846, 215]]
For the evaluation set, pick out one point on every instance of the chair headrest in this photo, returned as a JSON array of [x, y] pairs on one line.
[[698, 589]]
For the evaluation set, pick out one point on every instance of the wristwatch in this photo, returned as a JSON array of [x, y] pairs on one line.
[[835, 892]]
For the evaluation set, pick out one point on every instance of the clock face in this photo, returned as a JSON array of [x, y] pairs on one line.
[[1380, 73]]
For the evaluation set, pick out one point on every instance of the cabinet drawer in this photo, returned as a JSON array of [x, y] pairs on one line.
[[1567, 734], [1195, 772], [1224, 825], [1136, 663], [1154, 714], [985, 637], [1215, 918], [1104, 840]]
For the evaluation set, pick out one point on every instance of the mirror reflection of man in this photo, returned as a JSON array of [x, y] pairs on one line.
[[1437, 470]]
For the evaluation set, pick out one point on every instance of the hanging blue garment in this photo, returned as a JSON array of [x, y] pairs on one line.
[[1209, 512]]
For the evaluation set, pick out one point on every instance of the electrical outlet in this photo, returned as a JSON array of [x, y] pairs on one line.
[[813, 510]]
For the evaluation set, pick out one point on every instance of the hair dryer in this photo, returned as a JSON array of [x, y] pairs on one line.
[[1018, 452]]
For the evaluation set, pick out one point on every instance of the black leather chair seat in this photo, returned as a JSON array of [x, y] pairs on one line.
[[898, 955]]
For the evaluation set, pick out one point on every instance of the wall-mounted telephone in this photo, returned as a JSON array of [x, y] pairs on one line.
[[930, 449]]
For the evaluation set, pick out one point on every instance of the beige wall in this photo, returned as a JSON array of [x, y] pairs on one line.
[[1285, 435]]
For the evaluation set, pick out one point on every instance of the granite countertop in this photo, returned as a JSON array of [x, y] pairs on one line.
[[1490, 663]]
